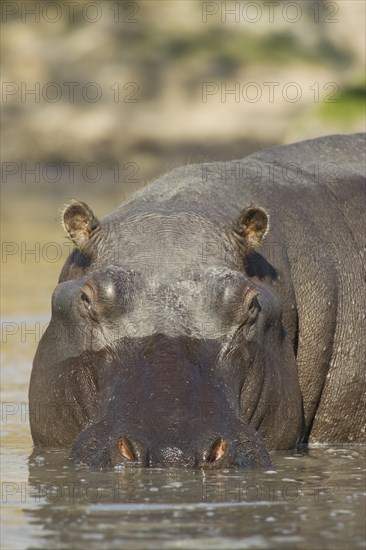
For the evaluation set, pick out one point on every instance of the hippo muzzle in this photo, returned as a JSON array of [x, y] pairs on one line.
[[164, 408]]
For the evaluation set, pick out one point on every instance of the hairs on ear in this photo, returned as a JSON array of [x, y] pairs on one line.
[[79, 222], [251, 226]]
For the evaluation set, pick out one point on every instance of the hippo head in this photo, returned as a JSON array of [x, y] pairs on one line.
[[180, 357]]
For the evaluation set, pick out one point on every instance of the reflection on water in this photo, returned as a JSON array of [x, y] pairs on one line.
[[309, 500]]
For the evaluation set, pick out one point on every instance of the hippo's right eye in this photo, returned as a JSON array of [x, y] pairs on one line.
[[89, 301], [86, 300]]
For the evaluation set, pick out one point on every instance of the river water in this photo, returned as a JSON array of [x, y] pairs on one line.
[[312, 499]]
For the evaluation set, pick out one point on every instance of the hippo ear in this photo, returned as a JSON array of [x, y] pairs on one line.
[[251, 226], [79, 222]]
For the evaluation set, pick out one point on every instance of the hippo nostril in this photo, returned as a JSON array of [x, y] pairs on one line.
[[217, 451], [125, 448]]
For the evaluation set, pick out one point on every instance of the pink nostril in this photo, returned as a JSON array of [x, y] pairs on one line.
[[125, 448], [217, 451]]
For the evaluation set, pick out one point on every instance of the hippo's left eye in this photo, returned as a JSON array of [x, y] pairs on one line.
[[253, 311], [251, 304]]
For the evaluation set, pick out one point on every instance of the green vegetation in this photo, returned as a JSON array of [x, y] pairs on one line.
[[235, 48], [349, 104]]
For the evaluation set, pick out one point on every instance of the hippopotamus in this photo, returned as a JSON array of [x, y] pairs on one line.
[[218, 314]]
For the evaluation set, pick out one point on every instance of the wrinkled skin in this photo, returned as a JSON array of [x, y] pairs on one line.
[[186, 331]]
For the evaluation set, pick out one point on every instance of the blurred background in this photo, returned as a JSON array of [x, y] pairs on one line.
[[99, 98]]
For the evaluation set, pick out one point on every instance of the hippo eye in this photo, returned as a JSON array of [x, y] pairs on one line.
[[86, 300], [250, 298], [251, 304], [253, 311]]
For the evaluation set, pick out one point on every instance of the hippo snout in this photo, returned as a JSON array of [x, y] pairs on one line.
[[213, 451], [130, 453]]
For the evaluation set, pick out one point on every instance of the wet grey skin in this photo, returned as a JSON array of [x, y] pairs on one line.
[[216, 315]]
